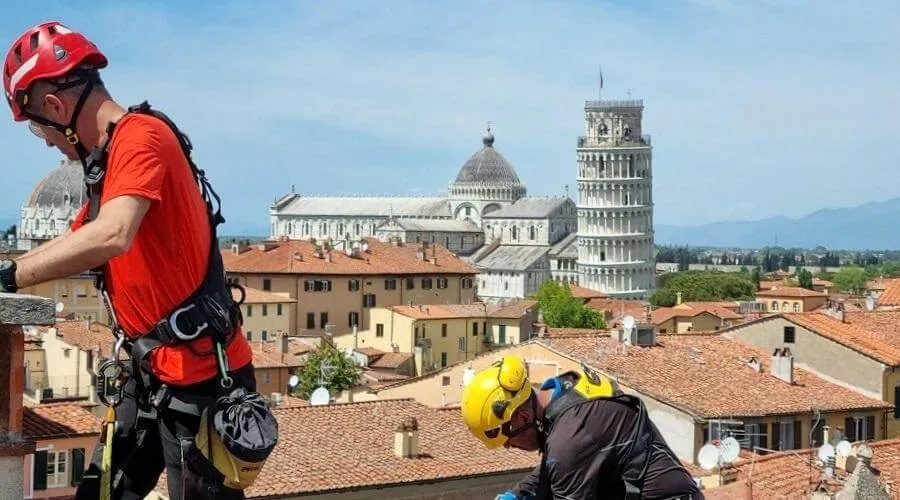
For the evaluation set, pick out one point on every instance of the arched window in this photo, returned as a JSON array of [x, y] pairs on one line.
[[532, 233], [796, 307], [774, 305], [515, 233]]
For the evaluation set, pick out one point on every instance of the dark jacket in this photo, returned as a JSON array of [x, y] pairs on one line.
[[585, 452]]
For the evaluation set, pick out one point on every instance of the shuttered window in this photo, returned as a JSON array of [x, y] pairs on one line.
[[78, 460], [40, 470]]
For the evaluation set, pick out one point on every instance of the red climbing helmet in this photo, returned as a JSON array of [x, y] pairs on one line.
[[48, 50]]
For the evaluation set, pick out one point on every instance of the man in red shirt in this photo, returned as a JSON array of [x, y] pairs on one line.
[[151, 237]]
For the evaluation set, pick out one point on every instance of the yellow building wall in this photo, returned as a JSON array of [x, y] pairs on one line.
[[67, 366], [831, 419], [77, 295], [268, 317], [802, 304], [505, 332], [340, 301], [891, 381], [444, 387], [35, 361]]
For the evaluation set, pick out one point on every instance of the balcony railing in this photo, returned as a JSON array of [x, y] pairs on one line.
[[614, 103], [16, 311], [609, 142]]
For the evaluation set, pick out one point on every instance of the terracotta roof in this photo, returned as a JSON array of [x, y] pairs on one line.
[[292, 402], [380, 378], [707, 375], [283, 257], [257, 296], [298, 347], [790, 291], [444, 311], [692, 309], [391, 360], [618, 308], [793, 474], [891, 294], [768, 284], [821, 282], [77, 334], [268, 355], [586, 293], [58, 420], [361, 455], [873, 333], [514, 310], [369, 351]]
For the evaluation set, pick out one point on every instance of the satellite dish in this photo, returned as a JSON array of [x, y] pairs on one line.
[[468, 375], [708, 457], [826, 452], [729, 449], [320, 397], [843, 448], [365, 247], [60, 306], [293, 381], [628, 322]]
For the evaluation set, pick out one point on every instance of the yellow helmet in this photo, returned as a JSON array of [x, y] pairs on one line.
[[492, 396]]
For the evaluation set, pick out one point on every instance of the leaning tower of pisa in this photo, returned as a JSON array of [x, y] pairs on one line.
[[615, 201]]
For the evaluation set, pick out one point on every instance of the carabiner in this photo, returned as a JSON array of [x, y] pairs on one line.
[[109, 375]]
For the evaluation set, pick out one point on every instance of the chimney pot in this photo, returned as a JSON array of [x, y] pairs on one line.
[[406, 438]]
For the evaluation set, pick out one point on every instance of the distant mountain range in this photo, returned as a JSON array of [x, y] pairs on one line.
[[873, 226]]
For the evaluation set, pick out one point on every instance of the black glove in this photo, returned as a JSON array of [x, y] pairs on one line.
[[8, 276]]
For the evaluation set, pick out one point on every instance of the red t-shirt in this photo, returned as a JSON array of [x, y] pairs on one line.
[[168, 258]]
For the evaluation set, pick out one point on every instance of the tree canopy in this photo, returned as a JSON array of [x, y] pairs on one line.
[[852, 279], [703, 286], [805, 279], [342, 372], [561, 310]]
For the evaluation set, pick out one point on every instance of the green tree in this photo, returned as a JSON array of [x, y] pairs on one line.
[[805, 278], [561, 310], [756, 277], [703, 286], [341, 372], [851, 279]]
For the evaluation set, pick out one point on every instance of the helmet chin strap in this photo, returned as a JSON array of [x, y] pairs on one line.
[[70, 130], [538, 424]]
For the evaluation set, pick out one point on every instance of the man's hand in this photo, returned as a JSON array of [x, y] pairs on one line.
[[511, 495]]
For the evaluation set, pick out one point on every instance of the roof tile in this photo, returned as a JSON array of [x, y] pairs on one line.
[[361, 455], [58, 420], [379, 259], [790, 291], [874, 333], [891, 294], [707, 375]]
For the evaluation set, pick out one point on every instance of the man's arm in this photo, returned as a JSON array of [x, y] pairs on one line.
[[89, 247], [44, 246]]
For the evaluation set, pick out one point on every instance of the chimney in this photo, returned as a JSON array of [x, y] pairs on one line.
[[754, 364], [285, 341], [406, 438], [678, 298], [783, 364]]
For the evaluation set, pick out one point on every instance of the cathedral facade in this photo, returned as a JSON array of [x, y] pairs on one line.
[[488, 219]]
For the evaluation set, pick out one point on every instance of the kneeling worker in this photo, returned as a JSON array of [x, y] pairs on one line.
[[595, 441]]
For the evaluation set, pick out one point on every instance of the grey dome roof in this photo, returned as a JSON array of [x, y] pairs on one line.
[[63, 186], [487, 166]]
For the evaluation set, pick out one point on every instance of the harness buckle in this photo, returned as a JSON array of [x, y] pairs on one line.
[[173, 324]]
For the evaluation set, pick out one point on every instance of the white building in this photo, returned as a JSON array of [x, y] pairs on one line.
[[615, 201], [52, 206], [487, 220]]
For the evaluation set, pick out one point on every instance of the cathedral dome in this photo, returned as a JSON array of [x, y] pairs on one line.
[[62, 187], [487, 166]]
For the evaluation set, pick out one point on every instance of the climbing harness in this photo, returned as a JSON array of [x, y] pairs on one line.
[[589, 386], [238, 430]]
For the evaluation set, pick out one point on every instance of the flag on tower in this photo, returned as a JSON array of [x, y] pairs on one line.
[[601, 77]]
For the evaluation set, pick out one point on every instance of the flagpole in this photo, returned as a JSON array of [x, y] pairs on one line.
[[600, 91]]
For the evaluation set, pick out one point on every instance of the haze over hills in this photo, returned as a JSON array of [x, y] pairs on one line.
[[873, 226]]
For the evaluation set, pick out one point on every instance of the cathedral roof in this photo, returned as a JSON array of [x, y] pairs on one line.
[[528, 208], [487, 166], [365, 206], [63, 186]]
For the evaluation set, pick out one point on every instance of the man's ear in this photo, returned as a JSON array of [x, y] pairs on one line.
[[54, 109]]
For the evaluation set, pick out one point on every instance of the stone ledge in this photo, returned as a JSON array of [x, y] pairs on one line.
[[17, 309]]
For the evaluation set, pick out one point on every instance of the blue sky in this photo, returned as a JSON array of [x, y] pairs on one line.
[[756, 108]]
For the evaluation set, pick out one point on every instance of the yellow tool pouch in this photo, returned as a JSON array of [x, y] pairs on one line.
[[237, 433]]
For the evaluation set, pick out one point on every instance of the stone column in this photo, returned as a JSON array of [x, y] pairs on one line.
[[15, 312]]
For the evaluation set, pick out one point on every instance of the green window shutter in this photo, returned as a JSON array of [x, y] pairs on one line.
[[40, 470], [77, 465]]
